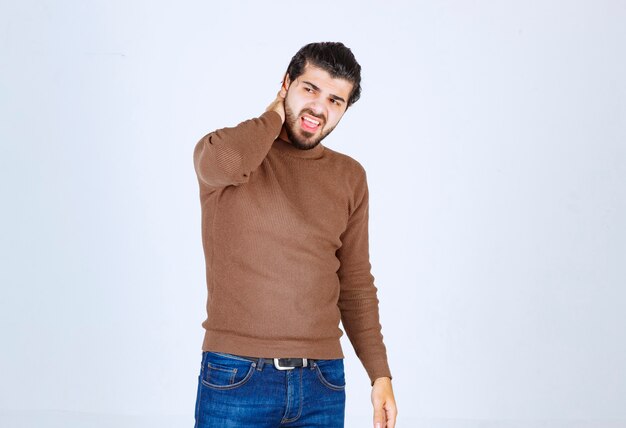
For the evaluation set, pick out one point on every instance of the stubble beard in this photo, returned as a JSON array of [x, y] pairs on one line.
[[292, 127]]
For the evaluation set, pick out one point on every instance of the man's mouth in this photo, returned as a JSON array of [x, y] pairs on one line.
[[309, 123]]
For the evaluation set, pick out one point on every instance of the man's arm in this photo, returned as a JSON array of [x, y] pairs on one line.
[[359, 307], [358, 301], [228, 156]]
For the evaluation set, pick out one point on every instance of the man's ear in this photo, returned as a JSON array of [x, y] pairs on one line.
[[286, 81]]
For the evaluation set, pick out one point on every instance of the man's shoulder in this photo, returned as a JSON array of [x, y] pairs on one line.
[[346, 162]]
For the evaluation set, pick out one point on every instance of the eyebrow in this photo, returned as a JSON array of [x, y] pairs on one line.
[[333, 96]]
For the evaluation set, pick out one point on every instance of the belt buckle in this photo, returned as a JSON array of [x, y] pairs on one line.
[[279, 367]]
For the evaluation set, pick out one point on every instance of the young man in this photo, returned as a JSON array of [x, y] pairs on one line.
[[285, 236]]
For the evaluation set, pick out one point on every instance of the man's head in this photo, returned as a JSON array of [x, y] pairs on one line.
[[322, 81]]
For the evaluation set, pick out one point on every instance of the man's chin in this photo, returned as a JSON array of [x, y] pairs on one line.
[[305, 142]]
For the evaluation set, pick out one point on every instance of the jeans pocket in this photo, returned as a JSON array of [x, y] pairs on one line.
[[331, 373], [225, 371]]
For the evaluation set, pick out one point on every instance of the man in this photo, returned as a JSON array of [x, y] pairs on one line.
[[285, 236]]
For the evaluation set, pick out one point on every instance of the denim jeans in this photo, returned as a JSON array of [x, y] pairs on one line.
[[238, 392]]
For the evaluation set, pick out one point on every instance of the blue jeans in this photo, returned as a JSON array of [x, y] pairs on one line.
[[238, 392]]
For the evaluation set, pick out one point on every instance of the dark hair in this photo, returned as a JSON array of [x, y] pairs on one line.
[[333, 57]]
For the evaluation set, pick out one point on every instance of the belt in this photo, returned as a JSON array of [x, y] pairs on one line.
[[284, 363]]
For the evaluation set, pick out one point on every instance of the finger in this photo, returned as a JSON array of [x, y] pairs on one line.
[[391, 417], [379, 417]]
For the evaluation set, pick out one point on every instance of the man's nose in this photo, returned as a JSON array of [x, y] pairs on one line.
[[317, 108]]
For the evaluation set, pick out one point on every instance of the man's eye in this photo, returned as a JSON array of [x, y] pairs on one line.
[[308, 89]]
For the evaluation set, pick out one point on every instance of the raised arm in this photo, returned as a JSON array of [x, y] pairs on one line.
[[229, 155]]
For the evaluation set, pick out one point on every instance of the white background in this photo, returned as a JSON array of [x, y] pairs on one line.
[[493, 134]]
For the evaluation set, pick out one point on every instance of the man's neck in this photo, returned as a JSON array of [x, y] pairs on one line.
[[283, 135]]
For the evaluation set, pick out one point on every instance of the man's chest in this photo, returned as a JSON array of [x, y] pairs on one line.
[[285, 203]]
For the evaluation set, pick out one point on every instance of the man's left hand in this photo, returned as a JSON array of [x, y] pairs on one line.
[[385, 410]]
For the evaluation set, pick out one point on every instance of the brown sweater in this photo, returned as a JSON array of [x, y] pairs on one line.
[[285, 237]]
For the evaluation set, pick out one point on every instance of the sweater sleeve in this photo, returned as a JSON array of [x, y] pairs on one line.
[[358, 301], [227, 156]]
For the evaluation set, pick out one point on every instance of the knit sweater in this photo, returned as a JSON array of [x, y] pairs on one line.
[[285, 238]]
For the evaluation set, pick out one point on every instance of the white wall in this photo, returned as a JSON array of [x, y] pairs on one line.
[[494, 137]]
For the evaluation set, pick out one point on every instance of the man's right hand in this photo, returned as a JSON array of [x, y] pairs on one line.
[[278, 105]]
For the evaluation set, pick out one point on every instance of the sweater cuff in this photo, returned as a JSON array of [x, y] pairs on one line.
[[374, 376]]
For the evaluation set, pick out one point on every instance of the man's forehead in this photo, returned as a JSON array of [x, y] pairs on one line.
[[322, 78]]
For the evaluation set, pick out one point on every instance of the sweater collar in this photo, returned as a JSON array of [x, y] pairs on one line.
[[288, 149]]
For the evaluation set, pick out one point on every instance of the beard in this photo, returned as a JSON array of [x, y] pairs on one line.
[[299, 138]]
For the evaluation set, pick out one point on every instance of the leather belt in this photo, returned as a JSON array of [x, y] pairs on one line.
[[284, 363]]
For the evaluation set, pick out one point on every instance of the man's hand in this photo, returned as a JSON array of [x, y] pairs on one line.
[[385, 410], [278, 105]]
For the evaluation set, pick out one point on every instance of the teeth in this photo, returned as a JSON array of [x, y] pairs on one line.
[[315, 122]]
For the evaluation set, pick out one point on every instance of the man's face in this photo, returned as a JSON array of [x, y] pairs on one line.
[[314, 104]]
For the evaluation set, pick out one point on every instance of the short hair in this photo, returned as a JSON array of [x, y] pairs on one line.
[[333, 57]]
